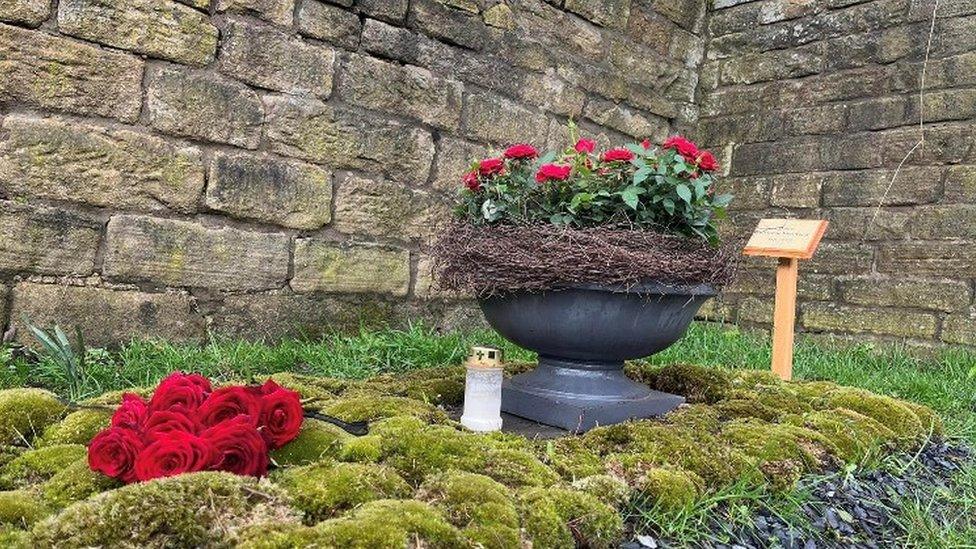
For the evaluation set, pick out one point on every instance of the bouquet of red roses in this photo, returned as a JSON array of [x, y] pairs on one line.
[[188, 426]]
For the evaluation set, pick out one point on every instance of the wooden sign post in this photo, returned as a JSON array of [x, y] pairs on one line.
[[790, 240]]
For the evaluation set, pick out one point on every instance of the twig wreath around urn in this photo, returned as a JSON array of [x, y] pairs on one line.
[[589, 259]]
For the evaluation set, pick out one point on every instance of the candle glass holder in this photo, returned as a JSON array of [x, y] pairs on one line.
[[483, 390]]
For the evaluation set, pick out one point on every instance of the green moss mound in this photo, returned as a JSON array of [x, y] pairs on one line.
[[323, 490], [669, 489], [481, 507], [198, 509], [891, 413], [609, 490], [20, 508], [75, 483], [316, 441], [25, 413], [39, 465], [551, 513], [78, 427], [695, 383]]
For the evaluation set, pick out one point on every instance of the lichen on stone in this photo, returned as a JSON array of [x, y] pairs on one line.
[[24, 413], [39, 465], [317, 440], [325, 489], [78, 427]]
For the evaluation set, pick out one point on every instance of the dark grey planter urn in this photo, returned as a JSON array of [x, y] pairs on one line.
[[583, 335]]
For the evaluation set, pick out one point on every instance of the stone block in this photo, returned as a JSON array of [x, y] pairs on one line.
[[401, 89], [199, 4], [403, 45], [795, 190], [454, 159], [793, 155], [831, 317], [950, 259], [66, 160], [204, 106], [186, 254], [156, 28], [867, 188], [276, 11], [269, 189], [751, 193], [688, 14], [394, 11], [4, 299], [108, 317], [756, 310], [944, 221], [26, 12], [880, 113], [330, 23], [960, 184], [60, 74], [948, 105], [935, 294], [774, 65], [447, 24], [343, 138], [350, 268], [493, 118], [551, 93], [959, 329], [840, 258], [851, 152], [867, 223], [386, 209], [47, 240], [269, 58], [606, 13], [626, 120]]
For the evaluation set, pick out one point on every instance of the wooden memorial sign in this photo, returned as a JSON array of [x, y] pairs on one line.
[[789, 240]]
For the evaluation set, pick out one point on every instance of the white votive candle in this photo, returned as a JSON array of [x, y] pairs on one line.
[[483, 390]]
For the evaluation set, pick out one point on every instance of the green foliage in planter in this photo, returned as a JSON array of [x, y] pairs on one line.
[[24, 413], [324, 489], [78, 427], [482, 508], [39, 465], [197, 509]]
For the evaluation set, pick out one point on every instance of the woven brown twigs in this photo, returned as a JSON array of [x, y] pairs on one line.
[[497, 259]]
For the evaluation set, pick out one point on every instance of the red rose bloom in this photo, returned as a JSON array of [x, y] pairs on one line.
[[281, 416], [470, 180], [552, 171], [491, 166], [685, 148], [585, 146], [113, 453], [521, 151], [227, 403], [179, 389], [173, 453], [707, 162], [132, 413], [618, 155], [167, 421], [646, 144], [237, 448]]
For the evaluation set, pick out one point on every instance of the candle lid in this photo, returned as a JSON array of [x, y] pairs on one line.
[[484, 357]]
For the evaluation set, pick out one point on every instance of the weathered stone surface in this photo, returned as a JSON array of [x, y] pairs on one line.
[[61, 74], [952, 259], [47, 240], [454, 158], [454, 26], [329, 23], [108, 317], [65, 160], [493, 118], [688, 14], [774, 65], [944, 221], [796, 190], [27, 12], [385, 209], [401, 89], [841, 257], [625, 120], [342, 138], [843, 318], [269, 58], [500, 16], [181, 253], [960, 184], [204, 106], [4, 294], [552, 93], [199, 4], [401, 44], [866, 188], [606, 13], [283, 192], [935, 294], [350, 268], [157, 28], [960, 329], [394, 11], [276, 11], [868, 223]]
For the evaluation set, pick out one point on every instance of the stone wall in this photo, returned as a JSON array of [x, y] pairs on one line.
[[815, 103], [262, 168]]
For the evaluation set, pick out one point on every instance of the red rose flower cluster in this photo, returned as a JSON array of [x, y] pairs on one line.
[[188, 426], [689, 151]]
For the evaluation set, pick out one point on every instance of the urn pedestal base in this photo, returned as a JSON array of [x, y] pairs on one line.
[[578, 396]]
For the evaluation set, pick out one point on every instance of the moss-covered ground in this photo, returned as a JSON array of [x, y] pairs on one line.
[[746, 441]]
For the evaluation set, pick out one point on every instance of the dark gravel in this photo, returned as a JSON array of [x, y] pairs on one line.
[[854, 510]]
